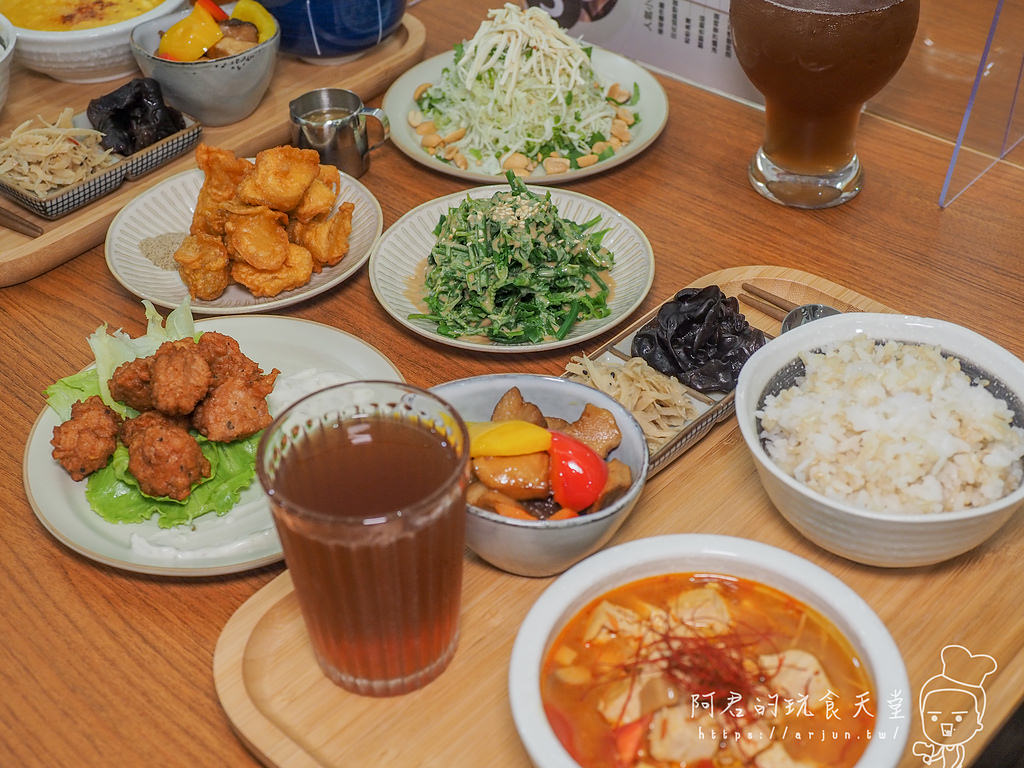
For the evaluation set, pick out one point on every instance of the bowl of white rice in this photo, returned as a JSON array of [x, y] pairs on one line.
[[887, 439]]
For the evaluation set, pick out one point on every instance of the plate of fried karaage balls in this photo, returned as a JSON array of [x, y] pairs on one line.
[[244, 235], [255, 365]]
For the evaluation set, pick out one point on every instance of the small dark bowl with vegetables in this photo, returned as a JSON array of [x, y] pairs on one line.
[[544, 547]]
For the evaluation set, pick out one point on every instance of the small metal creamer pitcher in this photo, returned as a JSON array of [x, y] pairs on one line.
[[333, 122]]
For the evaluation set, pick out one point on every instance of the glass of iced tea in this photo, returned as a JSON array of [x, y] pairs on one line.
[[817, 62], [367, 483]]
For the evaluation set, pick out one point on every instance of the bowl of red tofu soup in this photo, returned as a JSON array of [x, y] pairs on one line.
[[706, 651]]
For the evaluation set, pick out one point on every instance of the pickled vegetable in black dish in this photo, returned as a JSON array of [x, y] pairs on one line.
[[699, 337], [134, 116]]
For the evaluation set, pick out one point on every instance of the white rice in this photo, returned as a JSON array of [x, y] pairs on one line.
[[894, 427]]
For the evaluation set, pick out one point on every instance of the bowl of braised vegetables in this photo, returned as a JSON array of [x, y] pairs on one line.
[[214, 62], [557, 468]]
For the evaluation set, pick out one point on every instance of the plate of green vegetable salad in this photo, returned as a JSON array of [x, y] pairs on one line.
[[519, 91], [511, 268]]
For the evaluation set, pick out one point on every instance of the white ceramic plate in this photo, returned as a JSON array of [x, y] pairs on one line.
[[652, 108], [398, 260], [243, 538], [168, 207]]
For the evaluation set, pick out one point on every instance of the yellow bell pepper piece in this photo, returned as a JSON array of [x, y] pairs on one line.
[[506, 438], [254, 13], [190, 38]]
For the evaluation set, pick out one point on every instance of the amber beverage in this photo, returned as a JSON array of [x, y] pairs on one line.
[[367, 485], [817, 62]]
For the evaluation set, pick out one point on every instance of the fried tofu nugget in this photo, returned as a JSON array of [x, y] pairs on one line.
[[204, 266], [235, 409], [181, 377], [223, 172], [326, 239], [131, 384], [225, 359], [280, 177], [256, 235], [166, 460], [86, 441], [319, 197], [296, 271]]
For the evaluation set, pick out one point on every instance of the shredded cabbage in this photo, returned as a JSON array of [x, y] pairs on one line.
[[521, 84]]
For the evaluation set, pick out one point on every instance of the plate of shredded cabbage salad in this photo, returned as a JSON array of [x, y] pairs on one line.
[[225, 525], [511, 268], [523, 95]]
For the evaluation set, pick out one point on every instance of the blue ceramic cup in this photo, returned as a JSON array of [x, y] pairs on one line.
[[321, 30]]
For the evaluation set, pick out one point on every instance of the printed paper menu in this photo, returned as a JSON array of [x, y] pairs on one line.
[[688, 40]]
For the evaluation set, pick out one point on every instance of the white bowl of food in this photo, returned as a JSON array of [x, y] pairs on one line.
[[899, 454], [696, 648], [8, 41], [66, 51], [527, 545]]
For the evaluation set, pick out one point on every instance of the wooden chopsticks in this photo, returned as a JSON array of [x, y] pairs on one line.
[[18, 224], [765, 301]]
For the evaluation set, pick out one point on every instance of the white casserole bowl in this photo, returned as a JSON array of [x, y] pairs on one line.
[[85, 55], [858, 534], [686, 553], [546, 547], [216, 91], [8, 42]]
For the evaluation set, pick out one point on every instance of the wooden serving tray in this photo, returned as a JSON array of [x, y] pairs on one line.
[[22, 257], [289, 714]]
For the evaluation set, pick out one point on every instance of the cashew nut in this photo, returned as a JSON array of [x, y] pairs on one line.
[[420, 90], [556, 164], [460, 161], [514, 161], [620, 130], [431, 140], [427, 126], [586, 160], [599, 147], [625, 114], [415, 117], [617, 93], [455, 135]]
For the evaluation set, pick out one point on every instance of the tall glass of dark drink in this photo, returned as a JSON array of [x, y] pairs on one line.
[[367, 483], [817, 62]]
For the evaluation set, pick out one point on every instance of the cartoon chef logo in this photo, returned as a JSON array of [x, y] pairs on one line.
[[952, 705]]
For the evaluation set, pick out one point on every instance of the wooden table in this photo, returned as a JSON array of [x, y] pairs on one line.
[[99, 667]]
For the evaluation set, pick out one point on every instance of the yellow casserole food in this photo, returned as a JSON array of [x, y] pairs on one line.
[[67, 15]]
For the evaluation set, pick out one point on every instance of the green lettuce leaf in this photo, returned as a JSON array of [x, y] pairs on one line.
[[114, 494]]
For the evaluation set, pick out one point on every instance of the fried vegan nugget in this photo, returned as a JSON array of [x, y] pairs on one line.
[[326, 239], [280, 177], [86, 441], [236, 408], [131, 384], [296, 271], [166, 460], [181, 377], [203, 265], [223, 173], [132, 428], [256, 235], [225, 358]]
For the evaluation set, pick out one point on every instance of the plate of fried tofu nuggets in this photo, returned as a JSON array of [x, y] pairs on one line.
[[244, 235]]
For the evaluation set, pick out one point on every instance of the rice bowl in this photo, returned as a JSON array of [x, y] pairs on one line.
[[873, 536]]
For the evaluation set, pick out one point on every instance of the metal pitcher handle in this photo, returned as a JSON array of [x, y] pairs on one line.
[[382, 119]]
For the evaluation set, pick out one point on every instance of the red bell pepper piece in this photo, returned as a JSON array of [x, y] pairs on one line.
[[218, 13], [578, 474]]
